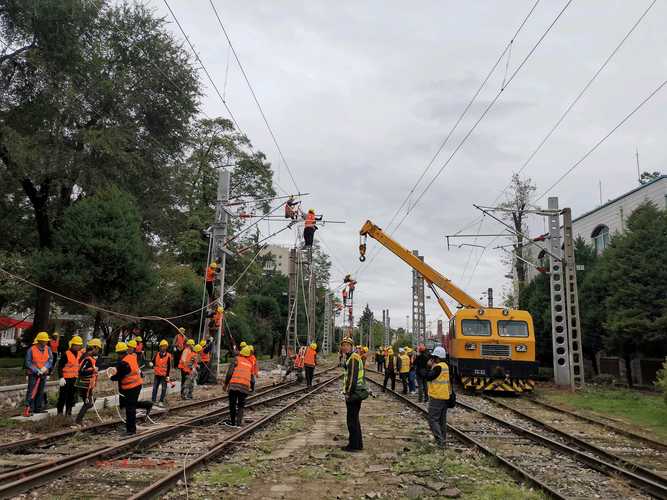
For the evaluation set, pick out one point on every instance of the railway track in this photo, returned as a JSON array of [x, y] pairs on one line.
[[533, 454], [167, 447]]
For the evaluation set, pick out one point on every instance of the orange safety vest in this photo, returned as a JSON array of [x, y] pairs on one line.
[[217, 318], [140, 347], [54, 344], [310, 359], [132, 379], [179, 341], [161, 364], [71, 368], [242, 374], [298, 361], [205, 356], [184, 363], [310, 220], [39, 357], [210, 274], [255, 366]]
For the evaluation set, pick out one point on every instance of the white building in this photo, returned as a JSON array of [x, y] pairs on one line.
[[280, 256]]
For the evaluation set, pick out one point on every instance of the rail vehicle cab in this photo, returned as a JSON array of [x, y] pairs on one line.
[[493, 349]]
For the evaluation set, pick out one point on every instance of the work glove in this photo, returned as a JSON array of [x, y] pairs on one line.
[[150, 364], [43, 370], [61, 382], [111, 371]]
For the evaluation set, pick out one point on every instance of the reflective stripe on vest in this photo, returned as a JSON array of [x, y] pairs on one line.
[[310, 358], [161, 364], [310, 220], [242, 374], [360, 370], [71, 368], [405, 363], [39, 357], [298, 361], [440, 387], [132, 379]]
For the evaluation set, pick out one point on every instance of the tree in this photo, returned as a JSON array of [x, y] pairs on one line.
[[98, 256], [92, 95], [647, 177], [516, 203], [365, 324]]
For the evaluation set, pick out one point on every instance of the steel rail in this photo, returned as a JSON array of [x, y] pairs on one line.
[[34, 475], [153, 490], [651, 442], [631, 466], [514, 470]]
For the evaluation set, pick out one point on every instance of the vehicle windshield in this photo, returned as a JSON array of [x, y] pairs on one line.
[[509, 328], [476, 327]]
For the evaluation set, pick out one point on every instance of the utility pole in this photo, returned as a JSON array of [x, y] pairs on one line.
[[370, 329], [292, 301], [418, 304], [220, 252], [312, 298], [326, 334], [489, 296]]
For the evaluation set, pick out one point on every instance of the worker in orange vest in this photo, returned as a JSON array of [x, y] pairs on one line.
[[215, 318], [310, 362], [87, 379], [139, 349], [211, 270], [310, 227], [186, 365], [161, 364], [68, 372], [38, 362], [179, 344], [344, 297], [238, 383], [205, 362], [127, 373]]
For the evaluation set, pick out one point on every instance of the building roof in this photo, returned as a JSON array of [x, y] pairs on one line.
[[625, 195]]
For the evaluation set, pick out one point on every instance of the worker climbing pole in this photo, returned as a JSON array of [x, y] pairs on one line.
[[349, 285]]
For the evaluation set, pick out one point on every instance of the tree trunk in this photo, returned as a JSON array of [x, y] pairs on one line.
[[98, 324], [628, 368]]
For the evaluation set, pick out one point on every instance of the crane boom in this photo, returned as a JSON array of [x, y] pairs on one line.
[[431, 276]]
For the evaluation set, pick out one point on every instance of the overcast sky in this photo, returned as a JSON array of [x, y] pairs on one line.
[[360, 94]]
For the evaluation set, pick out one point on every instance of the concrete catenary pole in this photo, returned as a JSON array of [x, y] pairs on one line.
[[220, 252]]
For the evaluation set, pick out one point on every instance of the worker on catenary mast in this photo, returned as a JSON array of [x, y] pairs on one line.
[[310, 228], [238, 383], [440, 392], [38, 362], [128, 375], [179, 344], [211, 271], [310, 362], [161, 364], [403, 368], [421, 368], [292, 208], [186, 365], [68, 371], [344, 293], [215, 318], [87, 380], [353, 384]]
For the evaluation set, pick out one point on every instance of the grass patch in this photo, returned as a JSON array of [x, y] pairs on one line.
[[646, 411], [226, 475], [8, 423], [12, 362]]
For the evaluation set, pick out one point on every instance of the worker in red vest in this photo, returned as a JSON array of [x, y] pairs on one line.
[[205, 362], [54, 344], [38, 362], [179, 344], [161, 364], [68, 372], [87, 380], [239, 383], [186, 365], [139, 350], [127, 373], [310, 227], [310, 362], [211, 270]]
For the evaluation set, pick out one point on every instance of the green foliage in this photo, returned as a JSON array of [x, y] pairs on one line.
[[647, 177], [661, 381]]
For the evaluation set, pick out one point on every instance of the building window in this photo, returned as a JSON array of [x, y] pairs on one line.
[[600, 238]]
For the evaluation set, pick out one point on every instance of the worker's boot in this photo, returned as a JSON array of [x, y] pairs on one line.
[[239, 418], [27, 412]]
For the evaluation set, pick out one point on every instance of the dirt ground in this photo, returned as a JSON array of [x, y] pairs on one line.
[[299, 456]]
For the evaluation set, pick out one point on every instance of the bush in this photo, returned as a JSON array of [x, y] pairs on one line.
[[661, 381], [604, 379]]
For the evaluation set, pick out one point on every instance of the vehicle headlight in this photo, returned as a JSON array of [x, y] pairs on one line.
[[521, 348], [470, 347]]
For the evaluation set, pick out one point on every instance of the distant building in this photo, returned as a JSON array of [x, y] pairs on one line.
[[598, 225], [280, 261], [11, 329]]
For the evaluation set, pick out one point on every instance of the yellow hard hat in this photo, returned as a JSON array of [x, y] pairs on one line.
[[34, 342], [76, 340], [347, 340], [243, 344], [132, 343], [365, 349], [220, 309], [252, 348], [55, 334], [138, 339], [190, 342], [213, 265], [313, 345], [197, 348], [182, 330], [95, 343], [163, 342], [202, 342], [121, 347], [311, 210], [246, 351], [42, 337]]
